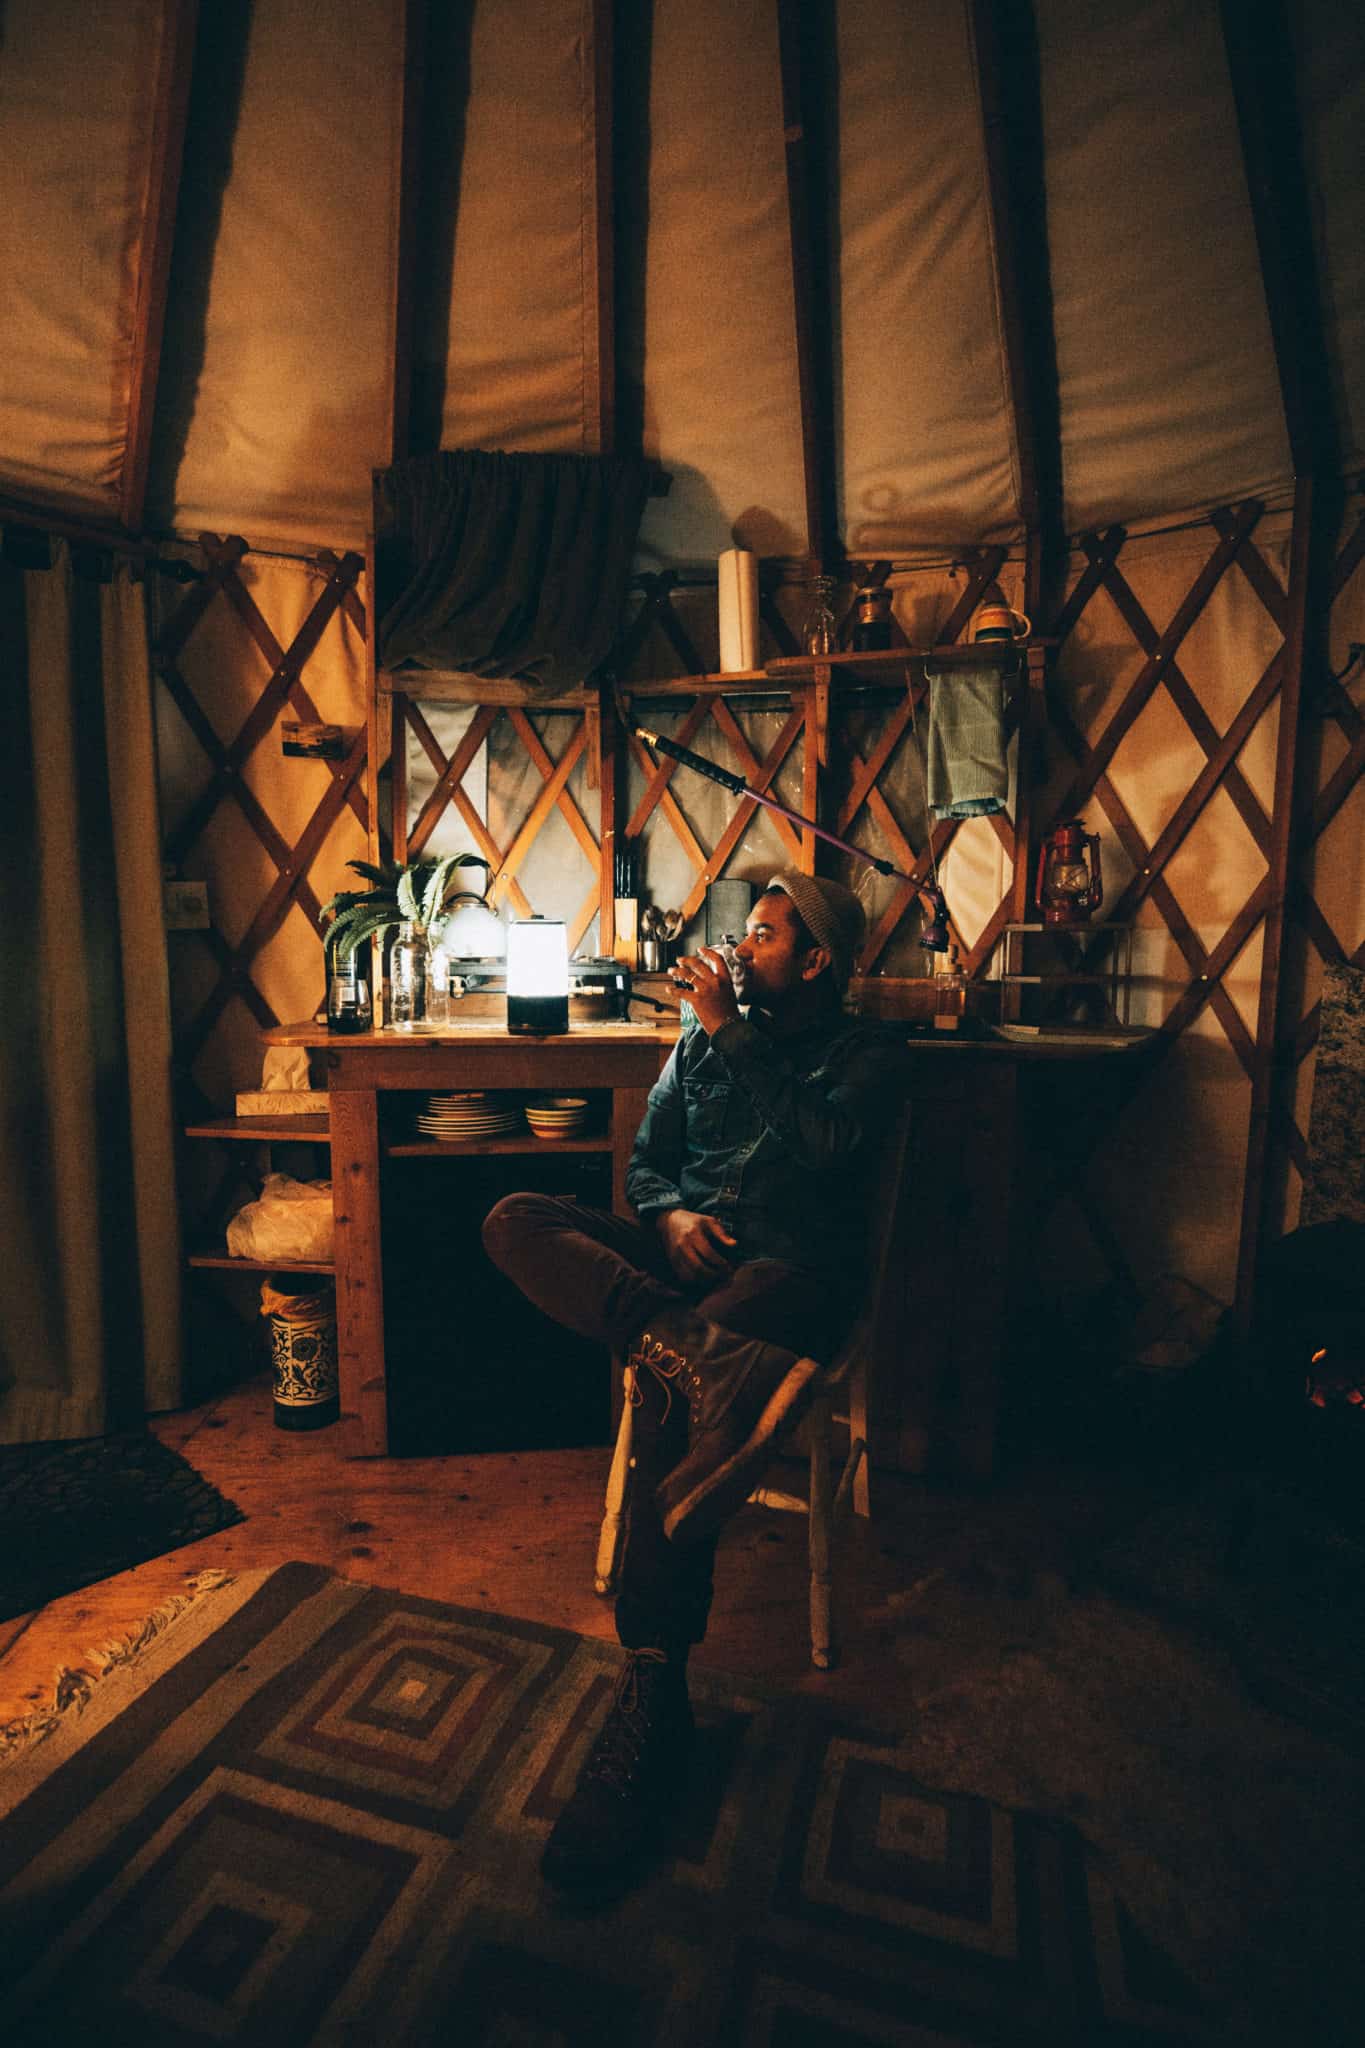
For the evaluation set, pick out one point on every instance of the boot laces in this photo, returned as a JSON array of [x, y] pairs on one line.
[[620, 1746], [666, 1365]]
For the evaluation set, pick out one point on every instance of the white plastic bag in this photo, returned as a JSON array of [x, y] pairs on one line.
[[291, 1219]]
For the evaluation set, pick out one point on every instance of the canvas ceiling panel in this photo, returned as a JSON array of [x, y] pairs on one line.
[[1169, 396], [521, 367], [290, 407], [924, 416], [75, 87], [1331, 61], [721, 403]]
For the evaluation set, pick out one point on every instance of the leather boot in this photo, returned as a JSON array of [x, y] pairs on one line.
[[616, 1818], [742, 1395]]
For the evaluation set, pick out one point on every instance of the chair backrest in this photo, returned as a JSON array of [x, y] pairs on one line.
[[883, 1204]]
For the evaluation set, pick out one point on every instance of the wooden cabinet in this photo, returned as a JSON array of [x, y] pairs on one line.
[[371, 1079]]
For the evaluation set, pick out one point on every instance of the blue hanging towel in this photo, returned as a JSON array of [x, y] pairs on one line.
[[968, 773]]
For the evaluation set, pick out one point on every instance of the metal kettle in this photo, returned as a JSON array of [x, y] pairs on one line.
[[1070, 884]]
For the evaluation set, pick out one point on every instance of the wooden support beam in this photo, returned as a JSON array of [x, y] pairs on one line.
[[805, 38], [1260, 54], [165, 153], [1286, 820], [599, 247], [406, 205], [1008, 79], [607, 762]]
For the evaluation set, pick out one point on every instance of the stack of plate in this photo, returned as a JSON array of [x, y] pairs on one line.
[[557, 1116], [468, 1116]]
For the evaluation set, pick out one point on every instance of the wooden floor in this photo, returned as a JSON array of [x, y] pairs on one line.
[[516, 1534]]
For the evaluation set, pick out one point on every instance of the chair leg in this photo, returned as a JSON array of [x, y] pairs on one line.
[[857, 1434], [822, 1645], [611, 1538]]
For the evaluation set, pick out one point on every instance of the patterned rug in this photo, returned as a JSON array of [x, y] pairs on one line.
[[312, 1813], [71, 1514]]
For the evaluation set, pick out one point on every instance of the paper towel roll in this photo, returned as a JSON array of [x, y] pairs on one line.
[[738, 581]]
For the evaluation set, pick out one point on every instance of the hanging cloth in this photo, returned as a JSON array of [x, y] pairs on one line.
[[968, 772], [90, 1311], [506, 565]]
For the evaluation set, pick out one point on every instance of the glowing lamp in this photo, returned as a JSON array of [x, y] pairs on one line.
[[537, 976]]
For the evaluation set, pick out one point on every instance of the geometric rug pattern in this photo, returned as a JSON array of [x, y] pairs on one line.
[[313, 1814]]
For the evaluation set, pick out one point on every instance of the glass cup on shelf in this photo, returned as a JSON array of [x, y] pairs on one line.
[[819, 630], [348, 997]]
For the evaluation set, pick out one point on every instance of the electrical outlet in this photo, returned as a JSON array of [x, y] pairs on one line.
[[186, 906]]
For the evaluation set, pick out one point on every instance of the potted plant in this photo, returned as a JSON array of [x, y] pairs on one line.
[[410, 897]]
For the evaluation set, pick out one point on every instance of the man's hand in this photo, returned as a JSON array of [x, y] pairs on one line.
[[695, 1244], [704, 978]]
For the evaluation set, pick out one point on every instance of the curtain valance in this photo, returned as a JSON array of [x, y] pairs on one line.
[[506, 564]]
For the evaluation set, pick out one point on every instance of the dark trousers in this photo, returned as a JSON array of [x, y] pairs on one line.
[[606, 1279]]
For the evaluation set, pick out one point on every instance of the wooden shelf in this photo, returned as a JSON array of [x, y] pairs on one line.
[[224, 1262], [886, 666], [488, 1148], [273, 1130]]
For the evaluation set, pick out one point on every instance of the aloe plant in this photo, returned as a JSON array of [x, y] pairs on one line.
[[414, 893]]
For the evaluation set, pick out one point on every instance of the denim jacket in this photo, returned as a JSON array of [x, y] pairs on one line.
[[775, 1136]]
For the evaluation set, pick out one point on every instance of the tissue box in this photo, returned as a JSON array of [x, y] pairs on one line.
[[283, 1102]]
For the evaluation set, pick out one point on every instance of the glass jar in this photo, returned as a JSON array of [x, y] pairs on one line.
[[408, 980], [818, 632], [872, 620], [438, 984]]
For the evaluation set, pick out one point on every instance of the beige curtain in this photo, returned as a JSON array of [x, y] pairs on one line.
[[90, 1324]]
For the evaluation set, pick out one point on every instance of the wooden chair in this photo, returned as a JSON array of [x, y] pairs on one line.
[[842, 1400]]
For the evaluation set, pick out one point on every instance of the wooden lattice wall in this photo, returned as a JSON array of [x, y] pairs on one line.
[[1088, 745]]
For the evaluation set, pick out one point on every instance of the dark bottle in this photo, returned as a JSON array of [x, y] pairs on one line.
[[872, 620], [348, 996], [300, 1313]]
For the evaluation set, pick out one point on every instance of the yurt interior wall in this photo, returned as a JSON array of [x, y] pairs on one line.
[[1069, 298]]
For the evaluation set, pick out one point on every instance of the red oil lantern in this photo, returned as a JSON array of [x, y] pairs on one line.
[[1070, 885]]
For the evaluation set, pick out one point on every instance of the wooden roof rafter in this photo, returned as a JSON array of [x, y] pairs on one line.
[[165, 152], [1261, 64], [805, 34], [406, 209], [1005, 44]]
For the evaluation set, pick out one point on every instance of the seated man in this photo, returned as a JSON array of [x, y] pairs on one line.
[[749, 1179]]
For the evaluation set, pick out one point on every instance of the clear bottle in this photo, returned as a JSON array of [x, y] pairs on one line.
[[818, 632], [407, 980], [950, 993], [438, 985]]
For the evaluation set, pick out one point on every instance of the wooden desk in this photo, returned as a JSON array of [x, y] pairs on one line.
[[997, 1127], [619, 1060]]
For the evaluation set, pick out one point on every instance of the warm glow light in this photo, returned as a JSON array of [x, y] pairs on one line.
[[537, 958]]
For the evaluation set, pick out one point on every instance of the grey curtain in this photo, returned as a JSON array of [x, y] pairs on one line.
[[90, 1323], [506, 564]]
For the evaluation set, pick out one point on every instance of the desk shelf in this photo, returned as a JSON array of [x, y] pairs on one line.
[[225, 1262], [263, 1130], [489, 1148]]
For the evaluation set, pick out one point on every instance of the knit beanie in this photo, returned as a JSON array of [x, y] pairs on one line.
[[831, 914]]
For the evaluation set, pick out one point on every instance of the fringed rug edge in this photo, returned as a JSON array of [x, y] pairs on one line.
[[81, 1699]]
